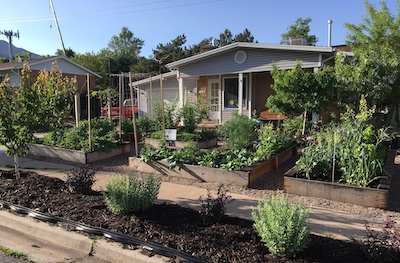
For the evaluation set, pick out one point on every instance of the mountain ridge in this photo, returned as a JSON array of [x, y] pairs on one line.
[[15, 50]]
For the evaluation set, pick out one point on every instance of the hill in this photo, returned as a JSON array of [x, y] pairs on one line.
[[15, 50]]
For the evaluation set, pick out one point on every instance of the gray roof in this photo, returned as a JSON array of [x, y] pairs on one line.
[[19, 65], [155, 78], [216, 51]]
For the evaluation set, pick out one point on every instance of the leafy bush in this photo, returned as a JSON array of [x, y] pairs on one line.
[[383, 246], [149, 153], [294, 126], [213, 209], [238, 131], [193, 113], [80, 180], [128, 194], [211, 158], [126, 125], [237, 159], [190, 154], [282, 226], [271, 141], [103, 136], [147, 124]]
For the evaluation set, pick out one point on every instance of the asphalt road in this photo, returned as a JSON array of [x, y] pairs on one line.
[[8, 259]]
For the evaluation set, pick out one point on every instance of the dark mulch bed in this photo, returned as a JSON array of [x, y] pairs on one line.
[[232, 240]]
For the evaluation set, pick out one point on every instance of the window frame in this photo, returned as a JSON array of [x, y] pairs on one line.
[[245, 93]]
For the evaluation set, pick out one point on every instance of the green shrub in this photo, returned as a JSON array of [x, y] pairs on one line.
[[80, 180], [126, 125], [146, 125], [238, 131], [128, 194], [293, 126], [271, 141], [193, 114], [282, 226], [103, 136]]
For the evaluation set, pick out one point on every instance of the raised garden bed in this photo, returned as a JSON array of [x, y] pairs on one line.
[[77, 156], [245, 177], [181, 144], [364, 196]]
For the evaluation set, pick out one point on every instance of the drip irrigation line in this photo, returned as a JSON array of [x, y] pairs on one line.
[[126, 239]]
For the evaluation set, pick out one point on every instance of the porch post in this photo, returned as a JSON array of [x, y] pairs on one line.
[[250, 88], [240, 102], [220, 107], [77, 107], [181, 95]]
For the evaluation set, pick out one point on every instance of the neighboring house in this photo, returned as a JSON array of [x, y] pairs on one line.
[[68, 68], [233, 77]]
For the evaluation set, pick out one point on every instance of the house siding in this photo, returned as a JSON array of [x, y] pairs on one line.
[[15, 78], [64, 66], [257, 61], [170, 90]]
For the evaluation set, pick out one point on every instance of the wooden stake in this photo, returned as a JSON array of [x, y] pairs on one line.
[[133, 117], [89, 122]]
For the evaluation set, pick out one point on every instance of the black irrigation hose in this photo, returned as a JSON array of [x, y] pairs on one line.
[[126, 239]]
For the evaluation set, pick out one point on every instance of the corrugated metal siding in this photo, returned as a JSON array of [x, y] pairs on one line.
[[257, 61]]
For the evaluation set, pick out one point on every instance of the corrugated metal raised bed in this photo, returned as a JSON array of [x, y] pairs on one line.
[[245, 177], [180, 144], [364, 196], [77, 156]]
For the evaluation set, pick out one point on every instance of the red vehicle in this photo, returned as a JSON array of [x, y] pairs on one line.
[[115, 110]]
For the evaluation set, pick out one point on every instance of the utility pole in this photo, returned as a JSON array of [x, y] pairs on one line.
[[10, 34], [58, 28]]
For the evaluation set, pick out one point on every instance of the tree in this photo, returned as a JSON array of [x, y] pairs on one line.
[[21, 108], [171, 51], [246, 36], [196, 48], [124, 49], [69, 53], [125, 44], [225, 38], [374, 70], [300, 91], [56, 97], [300, 30]]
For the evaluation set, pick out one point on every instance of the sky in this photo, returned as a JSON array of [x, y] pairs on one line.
[[88, 25]]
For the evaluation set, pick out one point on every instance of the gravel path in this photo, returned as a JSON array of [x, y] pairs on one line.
[[268, 184]]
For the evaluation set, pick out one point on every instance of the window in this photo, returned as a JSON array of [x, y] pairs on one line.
[[231, 94]]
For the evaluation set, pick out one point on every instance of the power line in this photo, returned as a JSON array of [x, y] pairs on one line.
[[10, 34], [97, 13]]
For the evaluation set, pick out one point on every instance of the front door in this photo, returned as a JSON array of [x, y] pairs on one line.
[[214, 98]]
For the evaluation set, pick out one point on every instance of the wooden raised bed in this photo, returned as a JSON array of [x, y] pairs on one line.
[[245, 177], [364, 196], [77, 156], [180, 144]]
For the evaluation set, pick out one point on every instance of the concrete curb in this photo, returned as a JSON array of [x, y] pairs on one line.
[[46, 243]]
